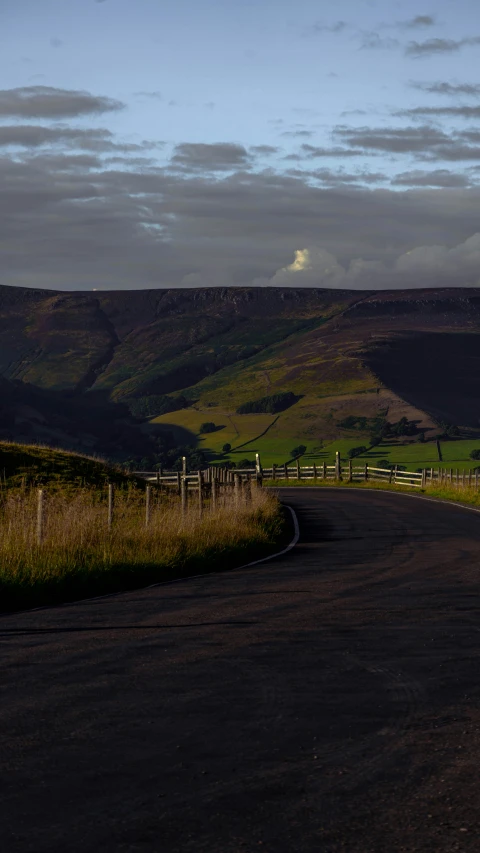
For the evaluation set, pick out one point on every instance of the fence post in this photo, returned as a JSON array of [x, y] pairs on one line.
[[476, 478], [258, 464], [299, 477], [285, 470], [148, 492], [314, 472], [424, 477], [236, 490], [184, 495], [395, 472], [350, 471], [274, 472], [179, 483], [214, 494], [338, 471], [247, 489], [184, 465], [366, 471], [110, 505], [40, 517], [200, 494], [324, 471]]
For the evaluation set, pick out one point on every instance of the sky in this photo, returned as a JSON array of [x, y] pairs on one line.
[[200, 143]]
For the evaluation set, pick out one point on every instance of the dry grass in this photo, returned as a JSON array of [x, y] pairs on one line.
[[80, 556]]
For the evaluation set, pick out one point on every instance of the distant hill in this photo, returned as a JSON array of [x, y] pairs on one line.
[[132, 373]]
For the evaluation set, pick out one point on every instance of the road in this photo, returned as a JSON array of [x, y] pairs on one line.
[[325, 701]]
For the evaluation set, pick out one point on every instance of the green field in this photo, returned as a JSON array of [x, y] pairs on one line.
[[295, 426]]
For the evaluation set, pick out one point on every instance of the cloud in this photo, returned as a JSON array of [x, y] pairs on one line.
[[431, 47], [374, 41], [443, 88], [456, 112], [56, 42], [426, 142], [264, 149], [34, 136], [339, 177], [436, 178], [419, 21], [311, 152], [422, 266], [337, 27], [80, 209], [50, 102], [298, 133], [220, 156]]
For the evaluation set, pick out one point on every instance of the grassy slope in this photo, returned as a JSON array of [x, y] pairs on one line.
[[36, 465]]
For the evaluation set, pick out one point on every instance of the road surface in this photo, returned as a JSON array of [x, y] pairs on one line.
[[327, 700]]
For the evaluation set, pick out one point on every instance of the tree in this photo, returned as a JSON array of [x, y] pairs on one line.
[[298, 451], [356, 451], [227, 447], [208, 426], [475, 454]]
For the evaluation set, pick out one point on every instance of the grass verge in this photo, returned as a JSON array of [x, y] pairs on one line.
[[460, 494], [80, 558]]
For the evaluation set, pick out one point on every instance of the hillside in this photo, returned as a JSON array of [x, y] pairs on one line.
[[134, 374]]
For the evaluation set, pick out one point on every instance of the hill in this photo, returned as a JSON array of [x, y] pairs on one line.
[[134, 375], [33, 465]]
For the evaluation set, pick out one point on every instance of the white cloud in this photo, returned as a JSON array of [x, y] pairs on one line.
[[422, 266]]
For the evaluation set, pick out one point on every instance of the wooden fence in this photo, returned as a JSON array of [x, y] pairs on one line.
[[341, 471]]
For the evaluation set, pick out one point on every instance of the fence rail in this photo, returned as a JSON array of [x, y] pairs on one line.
[[340, 471]]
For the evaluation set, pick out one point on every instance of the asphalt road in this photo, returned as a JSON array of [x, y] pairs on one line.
[[328, 700]]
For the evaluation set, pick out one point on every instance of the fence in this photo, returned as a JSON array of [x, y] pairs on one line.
[[340, 472]]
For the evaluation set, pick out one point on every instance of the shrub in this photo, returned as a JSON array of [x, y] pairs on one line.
[[246, 463], [207, 427], [475, 454], [227, 448]]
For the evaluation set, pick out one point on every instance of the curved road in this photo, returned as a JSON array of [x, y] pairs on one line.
[[327, 700]]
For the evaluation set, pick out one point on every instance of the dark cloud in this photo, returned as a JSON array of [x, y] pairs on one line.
[[220, 156], [431, 47], [393, 139], [419, 21], [334, 178], [70, 226], [442, 88], [50, 102], [426, 142], [264, 149], [312, 151], [454, 112], [33, 136], [436, 178]]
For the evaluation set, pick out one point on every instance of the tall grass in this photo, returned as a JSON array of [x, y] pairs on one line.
[[80, 556]]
